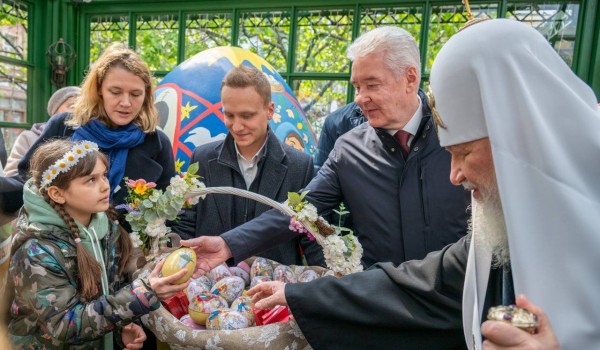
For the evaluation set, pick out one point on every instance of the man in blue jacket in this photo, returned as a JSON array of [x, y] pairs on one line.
[[401, 200]]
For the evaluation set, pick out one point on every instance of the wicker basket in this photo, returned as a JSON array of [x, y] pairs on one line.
[[281, 335]]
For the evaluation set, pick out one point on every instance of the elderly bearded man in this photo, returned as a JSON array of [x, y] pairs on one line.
[[523, 132]]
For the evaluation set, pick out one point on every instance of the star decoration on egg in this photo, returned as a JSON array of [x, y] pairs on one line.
[[185, 110]]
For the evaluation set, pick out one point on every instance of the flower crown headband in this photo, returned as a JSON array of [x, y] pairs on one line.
[[65, 163]]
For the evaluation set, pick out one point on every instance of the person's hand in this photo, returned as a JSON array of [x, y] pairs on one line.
[[133, 336], [163, 286], [267, 295], [501, 335], [210, 252]]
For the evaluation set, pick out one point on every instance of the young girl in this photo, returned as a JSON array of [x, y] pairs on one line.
[[116, 111], [68, 257]]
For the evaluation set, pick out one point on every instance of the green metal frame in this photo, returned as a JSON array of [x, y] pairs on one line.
[[50, 20]]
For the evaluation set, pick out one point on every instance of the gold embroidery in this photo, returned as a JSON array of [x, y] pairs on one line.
[[436, 116]]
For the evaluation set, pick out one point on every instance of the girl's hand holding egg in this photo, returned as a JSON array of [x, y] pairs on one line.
[[176, 270]]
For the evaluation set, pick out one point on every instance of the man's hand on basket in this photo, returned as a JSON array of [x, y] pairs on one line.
[[163, 286], [133, 336], [267, 295], [210, 252]]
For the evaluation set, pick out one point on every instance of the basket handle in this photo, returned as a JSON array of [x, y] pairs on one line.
[[259, 198]]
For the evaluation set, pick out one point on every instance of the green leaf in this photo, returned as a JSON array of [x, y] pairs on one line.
[[303, 194], [294, 198], [193, 168]]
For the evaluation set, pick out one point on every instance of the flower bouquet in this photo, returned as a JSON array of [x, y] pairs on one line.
[[148, 208]]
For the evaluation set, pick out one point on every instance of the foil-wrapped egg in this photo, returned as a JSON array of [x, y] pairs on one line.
[[226, 319], [203, 304], [183, 258], [196, 287], [239, 272], [307, 276], [244, 306], [229, 288], [188, 321], [261, 267], [259, 279], [284, 274], [218, 273]]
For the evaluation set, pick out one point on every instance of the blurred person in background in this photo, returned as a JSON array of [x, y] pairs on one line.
[[62, 100]]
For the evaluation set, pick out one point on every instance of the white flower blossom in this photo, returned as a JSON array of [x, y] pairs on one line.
[[157, 228], [135, 239], [178, 187]]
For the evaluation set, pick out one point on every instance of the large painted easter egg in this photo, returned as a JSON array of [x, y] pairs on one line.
[[189, 103]]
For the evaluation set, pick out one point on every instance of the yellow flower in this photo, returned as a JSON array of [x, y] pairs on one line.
[[140, 187]]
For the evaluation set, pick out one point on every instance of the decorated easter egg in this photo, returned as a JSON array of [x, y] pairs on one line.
[[226, 319], [229, 288], [307, 276], [203, 304], [244, 266], [188, 321], [244, 306], [182, 258], [261, 267], [204, 279], [283, 273], [196, 287], [218, 273], [259, 279], [189, 103], [239, 272]]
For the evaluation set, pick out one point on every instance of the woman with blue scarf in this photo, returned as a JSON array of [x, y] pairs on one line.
[[116, 111]]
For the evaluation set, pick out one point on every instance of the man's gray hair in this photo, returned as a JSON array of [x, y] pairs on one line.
[[400, 48]]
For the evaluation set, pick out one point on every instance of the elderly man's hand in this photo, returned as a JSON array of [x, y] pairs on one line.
[[501, 335], [210, 252], [267, 295]]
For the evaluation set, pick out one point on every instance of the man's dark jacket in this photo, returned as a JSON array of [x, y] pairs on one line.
[[337, 124], [282, 169], [402, 209]]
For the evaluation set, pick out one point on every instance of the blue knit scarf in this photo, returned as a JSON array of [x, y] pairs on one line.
[[115, 143]]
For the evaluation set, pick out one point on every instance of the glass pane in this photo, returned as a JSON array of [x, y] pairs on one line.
[[266, 34], [10, 135], [156, 40], [322, 39], [13, 27], [557, 22], [319, 98], [446, 20], [13, 93], [206, 30], [408, 18], [105, 30]]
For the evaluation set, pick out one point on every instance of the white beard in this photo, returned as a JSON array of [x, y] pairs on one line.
[[491, 229]]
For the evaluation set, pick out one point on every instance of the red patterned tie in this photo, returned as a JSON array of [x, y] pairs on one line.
[[402, 137]]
